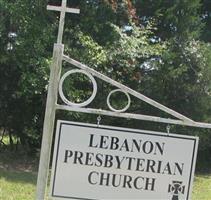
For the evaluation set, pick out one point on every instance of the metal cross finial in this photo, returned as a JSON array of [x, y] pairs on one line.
[[63, 9]]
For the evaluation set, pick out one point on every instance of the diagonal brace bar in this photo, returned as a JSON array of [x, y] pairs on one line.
[[127, 89]]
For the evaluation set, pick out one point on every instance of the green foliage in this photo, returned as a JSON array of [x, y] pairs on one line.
[[206, 18], [154, 47], [182, 78], [176, 18], [25, 35], [185, 69], [99, 39]]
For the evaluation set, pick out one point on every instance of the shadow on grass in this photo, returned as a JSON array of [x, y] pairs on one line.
[[205, 176], [19, 177]]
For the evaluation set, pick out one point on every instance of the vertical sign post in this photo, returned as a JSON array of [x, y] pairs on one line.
[[51, 102]]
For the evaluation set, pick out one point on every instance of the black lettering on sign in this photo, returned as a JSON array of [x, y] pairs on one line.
[[68, 154], [120, 180], [90, 178], [127, 145]]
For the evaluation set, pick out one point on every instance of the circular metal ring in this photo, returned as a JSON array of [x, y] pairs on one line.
[[120, 110], [89, 100]]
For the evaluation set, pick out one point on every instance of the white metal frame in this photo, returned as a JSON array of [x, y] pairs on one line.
[[181, 119], [55, 87], [88, 101], [119, 110]]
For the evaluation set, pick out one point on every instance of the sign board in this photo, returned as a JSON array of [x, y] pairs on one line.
[[105, 162]]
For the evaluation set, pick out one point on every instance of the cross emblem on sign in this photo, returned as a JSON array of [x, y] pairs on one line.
[[62, 9]]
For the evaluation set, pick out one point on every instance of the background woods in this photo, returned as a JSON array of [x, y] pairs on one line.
[[159, 48]]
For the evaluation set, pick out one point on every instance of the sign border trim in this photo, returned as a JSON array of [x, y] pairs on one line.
[[114, 128]]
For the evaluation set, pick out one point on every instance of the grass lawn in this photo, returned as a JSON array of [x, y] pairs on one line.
[[17, 175], [202, 187], [16, 185], [18, 179]]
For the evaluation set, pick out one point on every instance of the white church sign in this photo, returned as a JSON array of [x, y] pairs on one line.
[[104, 162]]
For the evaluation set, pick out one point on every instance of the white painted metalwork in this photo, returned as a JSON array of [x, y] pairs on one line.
[[98, 120], [89, 100], [181, 119], [49, 121], [63, 9], [126, 89], [168, 127], [50, 111], [71, 180], [120, 110], [133, 116], [55, 86]]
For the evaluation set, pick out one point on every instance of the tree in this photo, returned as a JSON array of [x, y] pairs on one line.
[[99, 38], [182, 79], [24, 58], [177, 18], [152, 46], [206, 18]]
